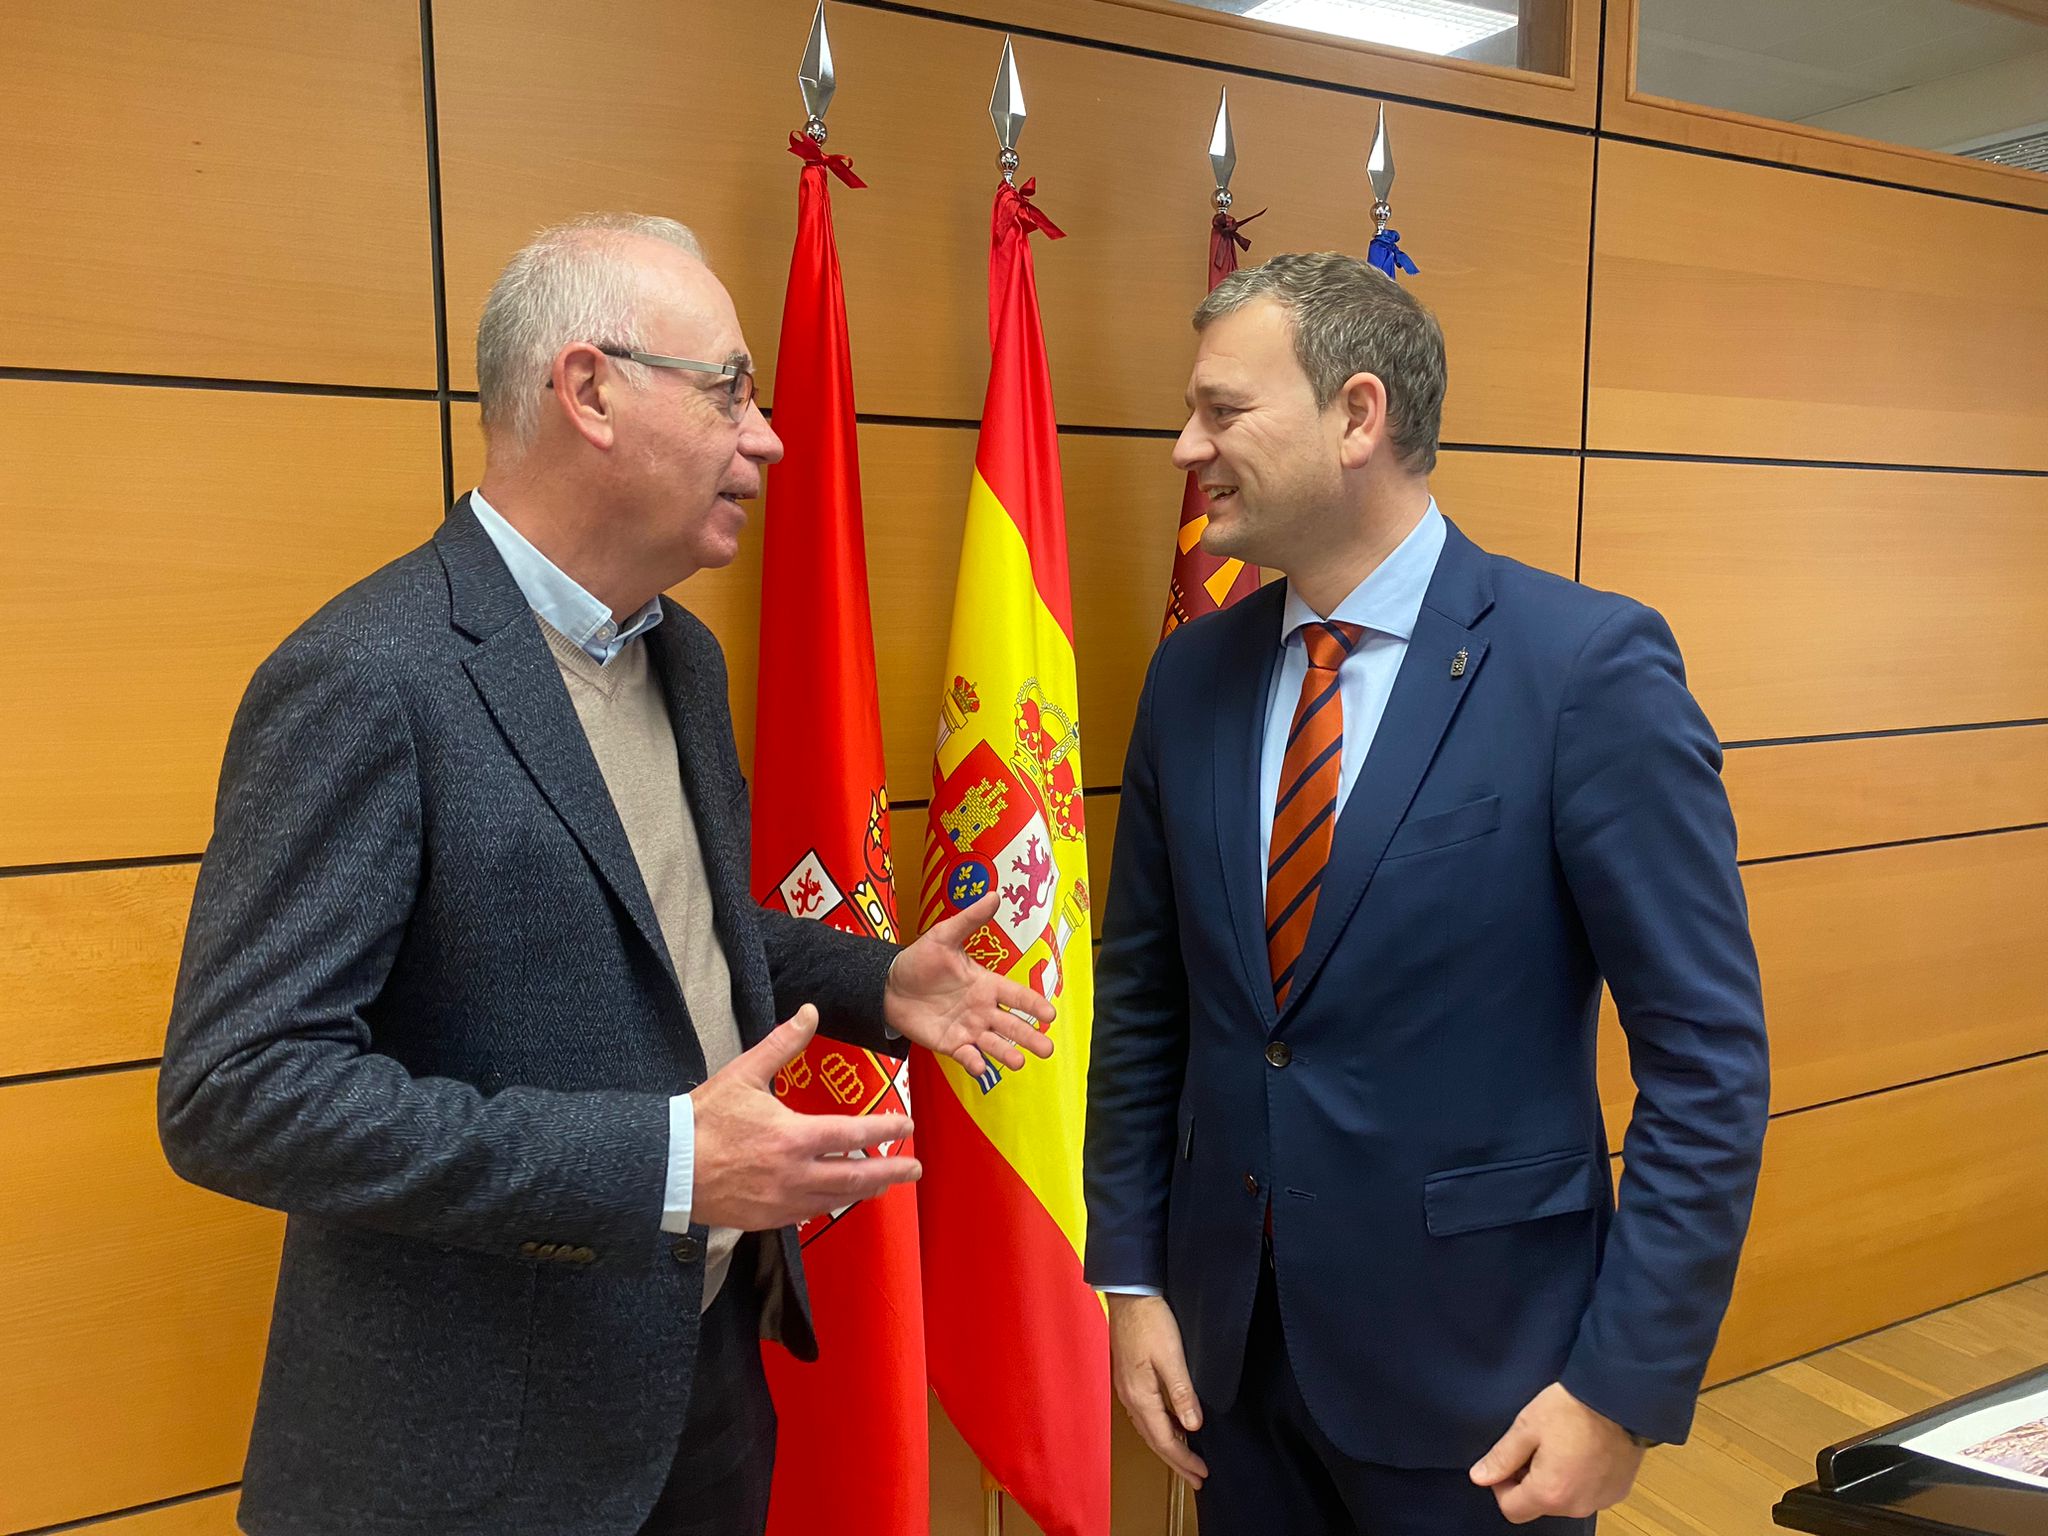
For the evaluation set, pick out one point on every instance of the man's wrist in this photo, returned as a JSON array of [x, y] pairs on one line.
[[889, 1030]]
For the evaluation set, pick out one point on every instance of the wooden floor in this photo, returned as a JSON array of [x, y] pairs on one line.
[[1756, 1437]]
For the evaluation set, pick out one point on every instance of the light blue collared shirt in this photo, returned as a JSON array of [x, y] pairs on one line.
[[1387, 603], [555, 595], [572, 611]]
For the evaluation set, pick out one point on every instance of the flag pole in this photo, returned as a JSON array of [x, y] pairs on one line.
[[1006, 112], [1223, 163], [1385, 251], [991, 1504]]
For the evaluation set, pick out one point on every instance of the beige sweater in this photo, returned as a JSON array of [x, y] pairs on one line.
[[626, 720]]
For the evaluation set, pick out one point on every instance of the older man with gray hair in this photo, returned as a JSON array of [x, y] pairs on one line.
[[473, 988]]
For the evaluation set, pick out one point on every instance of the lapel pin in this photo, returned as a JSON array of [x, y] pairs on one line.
[[1458, 663]]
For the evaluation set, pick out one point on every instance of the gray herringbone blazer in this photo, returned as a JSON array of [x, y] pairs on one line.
[[425, 1009]]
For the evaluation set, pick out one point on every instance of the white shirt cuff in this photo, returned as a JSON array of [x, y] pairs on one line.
[[1130, 1290], [682, 1164]]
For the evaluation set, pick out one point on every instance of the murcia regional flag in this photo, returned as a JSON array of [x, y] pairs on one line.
[[1016, 1341], [854, 1457]]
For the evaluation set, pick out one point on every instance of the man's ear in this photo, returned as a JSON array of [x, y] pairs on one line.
[[1363, 404], [584, 387]]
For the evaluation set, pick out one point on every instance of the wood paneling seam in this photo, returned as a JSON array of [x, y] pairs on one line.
[[1812, 170]]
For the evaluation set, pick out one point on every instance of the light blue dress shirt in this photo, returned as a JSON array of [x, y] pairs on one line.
[[555, 595], [571, 611], [1386, 604]]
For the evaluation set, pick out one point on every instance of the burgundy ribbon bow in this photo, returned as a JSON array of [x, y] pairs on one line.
[[1228, 228], [808, 151]]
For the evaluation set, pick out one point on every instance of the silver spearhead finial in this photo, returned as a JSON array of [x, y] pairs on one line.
[[1006, 111], [1379, 169], [815, 78], [1222, 149]]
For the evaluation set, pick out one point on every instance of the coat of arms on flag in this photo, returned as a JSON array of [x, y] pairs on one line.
[[829, 1078], [1001, 825]]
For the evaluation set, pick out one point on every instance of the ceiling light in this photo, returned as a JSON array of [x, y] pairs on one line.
[[1426, 26]]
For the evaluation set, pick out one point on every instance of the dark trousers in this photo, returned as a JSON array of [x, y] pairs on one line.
[[1273, 1473], [718, 1484]]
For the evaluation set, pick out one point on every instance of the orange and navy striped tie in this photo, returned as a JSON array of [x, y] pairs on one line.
[[1305, 808]]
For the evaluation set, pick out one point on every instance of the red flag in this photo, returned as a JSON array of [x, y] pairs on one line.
[[854, 1453], [1019, 1345], [1203, 582]]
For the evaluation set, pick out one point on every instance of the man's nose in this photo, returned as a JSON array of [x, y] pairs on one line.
[[757, 439]]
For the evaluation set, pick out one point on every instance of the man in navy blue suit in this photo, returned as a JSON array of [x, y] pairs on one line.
[[1386, 827]]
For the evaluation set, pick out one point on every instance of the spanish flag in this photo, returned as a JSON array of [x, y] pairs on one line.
[[1016, 1342]]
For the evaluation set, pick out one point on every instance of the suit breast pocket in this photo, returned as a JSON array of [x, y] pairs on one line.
[[1446, 829]]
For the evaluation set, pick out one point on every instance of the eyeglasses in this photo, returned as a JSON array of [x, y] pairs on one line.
[[740, 385]]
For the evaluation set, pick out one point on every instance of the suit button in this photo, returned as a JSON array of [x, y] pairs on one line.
[[530, 1250], [1279, 1053], [687, 1250], [546, 1250], [584, 1255], [1251, 1185]]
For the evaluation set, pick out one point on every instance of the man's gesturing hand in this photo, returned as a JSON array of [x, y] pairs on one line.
[[939, 998], [760, 1165], [1150, 1370]]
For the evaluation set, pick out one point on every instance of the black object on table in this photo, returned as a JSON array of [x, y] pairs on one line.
[[1874, 1486]]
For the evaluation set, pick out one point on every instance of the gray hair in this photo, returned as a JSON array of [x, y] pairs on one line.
[[1350, 318], [575, 281]]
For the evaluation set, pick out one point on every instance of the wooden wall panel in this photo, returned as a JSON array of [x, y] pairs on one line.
[[1805, 797], [87, 970], [1123, 503], [1819, 601], [136, 1308], [1901, 963], [1116, 142], [1887, 1206], [1887, 967], [218, 187], [1743, 309], [172, 538], [1521, 505]]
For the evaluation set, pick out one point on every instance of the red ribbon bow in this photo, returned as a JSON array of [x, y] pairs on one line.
[[807, 150], [1031, 217]]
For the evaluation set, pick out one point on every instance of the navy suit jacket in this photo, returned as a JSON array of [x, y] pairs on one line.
[[1541, 809]]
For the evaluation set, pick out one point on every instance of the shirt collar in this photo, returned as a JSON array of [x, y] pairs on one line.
[[1389, 600], [556, 596]]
